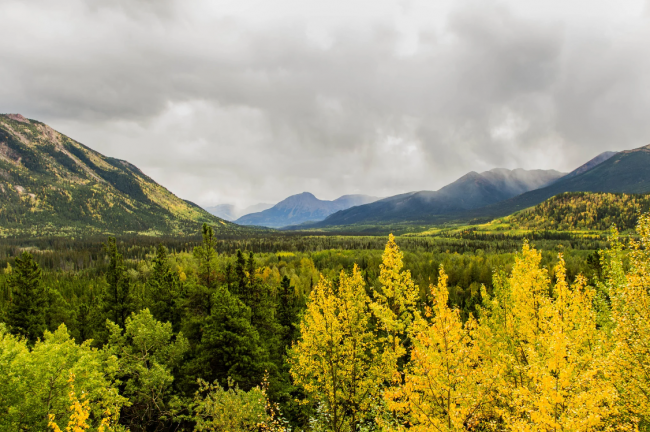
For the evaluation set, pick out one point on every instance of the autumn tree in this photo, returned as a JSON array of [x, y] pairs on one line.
[[443, 389], [630, 314], [393, 307], [334, 360], [542, 343]]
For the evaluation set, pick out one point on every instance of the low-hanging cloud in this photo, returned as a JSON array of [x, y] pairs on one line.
[[256, 103]]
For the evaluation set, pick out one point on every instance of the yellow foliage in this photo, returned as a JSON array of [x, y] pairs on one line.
[[79, 414], [542, 344], [394, 306], [630, 359], [443, 388], [333, 360]]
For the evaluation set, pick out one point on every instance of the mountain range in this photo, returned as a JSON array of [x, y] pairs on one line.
[[52, 184], [301, 208], [473, 190]]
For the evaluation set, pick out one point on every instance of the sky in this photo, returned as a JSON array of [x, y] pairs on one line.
[[238, 101]]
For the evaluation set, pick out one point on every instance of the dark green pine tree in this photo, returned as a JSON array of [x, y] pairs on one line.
[[117, 299], [287, 312], [230, 276], [206, 255], [26, 315], [240, 275], [164, 290], [230, 345]]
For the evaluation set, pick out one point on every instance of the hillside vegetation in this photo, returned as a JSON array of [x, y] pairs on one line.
[[584, 211], [52, 184]]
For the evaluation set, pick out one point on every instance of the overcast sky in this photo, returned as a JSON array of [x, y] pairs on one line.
[[251, 101]]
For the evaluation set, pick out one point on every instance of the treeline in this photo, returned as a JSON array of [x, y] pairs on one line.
[[584, 211]]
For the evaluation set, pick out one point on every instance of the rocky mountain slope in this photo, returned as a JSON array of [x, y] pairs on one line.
[[301, 208], [51, 184]]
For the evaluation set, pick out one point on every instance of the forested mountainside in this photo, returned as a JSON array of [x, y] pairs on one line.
[[584, 211], [471, 191], [301, 208], [52, 184]]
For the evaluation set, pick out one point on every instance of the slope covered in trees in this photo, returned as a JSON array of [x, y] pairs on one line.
[[583, 211], [51, 184]]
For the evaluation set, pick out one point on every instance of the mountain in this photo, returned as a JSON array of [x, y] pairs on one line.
[[473, 190], [589, 165], [624, 172], [51, 184], [301, 208], [230, 212]]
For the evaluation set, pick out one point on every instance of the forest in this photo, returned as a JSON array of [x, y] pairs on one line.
[[326, 333]]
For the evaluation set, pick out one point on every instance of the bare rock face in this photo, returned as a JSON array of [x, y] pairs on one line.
[[18, 118]]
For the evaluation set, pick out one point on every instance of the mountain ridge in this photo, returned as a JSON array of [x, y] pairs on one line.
[[54, 185]]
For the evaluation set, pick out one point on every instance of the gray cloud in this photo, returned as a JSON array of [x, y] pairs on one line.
[[243, 103]]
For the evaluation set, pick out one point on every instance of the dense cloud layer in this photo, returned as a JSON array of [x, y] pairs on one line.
[[255, 100]]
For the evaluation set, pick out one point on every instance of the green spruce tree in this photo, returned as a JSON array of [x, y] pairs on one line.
[[206, 255], [117, 299], [164, 290], [26, 315]]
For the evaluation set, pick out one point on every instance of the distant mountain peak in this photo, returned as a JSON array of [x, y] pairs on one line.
[[592, 163], [300, 208]]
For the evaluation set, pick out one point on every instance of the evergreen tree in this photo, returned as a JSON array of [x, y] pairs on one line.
[[230, 345], [240, 274], [26, 315], [206, 255], [164, 290], [117, 299], [287, 312]]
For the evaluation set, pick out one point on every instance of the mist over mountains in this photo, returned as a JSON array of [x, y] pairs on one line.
[[231, 212], [473, 190]]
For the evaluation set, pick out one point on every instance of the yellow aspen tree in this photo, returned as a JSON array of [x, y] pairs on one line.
[[630, 310], [79, 414], [393, 307], [334, 358], [443, 389], [547, 351]]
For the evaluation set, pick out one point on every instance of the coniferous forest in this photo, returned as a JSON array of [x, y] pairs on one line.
[[326, 333]]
